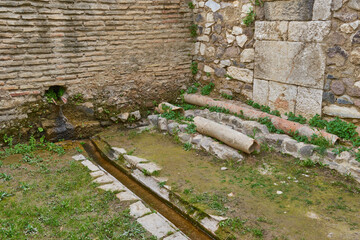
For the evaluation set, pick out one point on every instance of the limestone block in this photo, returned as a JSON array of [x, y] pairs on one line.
[[126, 196], [314, 31], [214, 6], [79, 157], [138, 209], [282, 96], [296, 63], [247, 55], [177, 236], [308, 101], [298, 10], [265, 30], [156, 225], [261, 91], [92, 167], [241, 74], [342, 112], [354, 4], [321, 10]]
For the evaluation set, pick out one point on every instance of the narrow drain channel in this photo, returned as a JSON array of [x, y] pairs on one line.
[[187, 226]]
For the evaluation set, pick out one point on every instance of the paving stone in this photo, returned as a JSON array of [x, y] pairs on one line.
[[103, 180], [314, 31], [274, 30], [177, 236], [149, 167], [156, 225], [79, 157], [113, 187], [126, 196], [151, 183], [133, 160], [92, 167], [210, 224], [119, 151], [138, 209], [97, 174]]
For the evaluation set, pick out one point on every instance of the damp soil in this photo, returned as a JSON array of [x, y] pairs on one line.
[[267, 196]]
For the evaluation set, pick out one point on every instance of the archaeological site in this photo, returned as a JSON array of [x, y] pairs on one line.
[[180, 119]]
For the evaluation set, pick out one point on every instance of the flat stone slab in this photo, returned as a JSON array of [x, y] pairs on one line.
[[177, 236], [156, 225], [120, 151], [79, 157], [113, 187], [103, 180], [149, 167], [92, 167], [97, 174], [135, 160], [127, 196], [138, 209], [210, 224]]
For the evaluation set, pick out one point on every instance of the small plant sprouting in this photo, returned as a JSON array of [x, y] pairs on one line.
[[292, 117], [187, 146], [191, 5], [228, 76], [162, 184], [227, 96], [250, 18], [194, 68], [5, 177], [193, 30], [146, 172], [207, 89], [191, 128]]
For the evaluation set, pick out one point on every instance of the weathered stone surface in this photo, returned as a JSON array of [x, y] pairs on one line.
[[208, 69], [153, 119], [328, 97], [214, 6], [308, 101], [296, 63], [241, 74], [265, 30], [220, 72], [298, 10], [321, 10], [356, 38], [251, 127], [210, 224], [224, 152], [282, 96], [103, 179], [126, 196], [344, 100], [336, 5], [92, 167], [156, 225], [276, 140], [314, 31], [346, 16], [342, 112], [354, 4], [136, 115], [247, 55], [113, 187], [349, 27], [138, 209], [133, 160], [237, 30], [97, 174], [79, 157], [162, 124], [261, 91], [149, 167], [184, 137], [119, 151], [306, 150], [123, 117], [241, 40], [173, 128], [290, 146], [355, 56], [231, 52], [177, 236]]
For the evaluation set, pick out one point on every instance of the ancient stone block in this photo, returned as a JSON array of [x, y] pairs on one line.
[[261, 91], [282, 96], [296, 63], [314, 31], [321, 10], [308, 101], [298, 10], [265, 30], [241, 74]]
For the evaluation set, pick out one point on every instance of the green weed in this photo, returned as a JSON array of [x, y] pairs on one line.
[[187, 146], [207, 89]]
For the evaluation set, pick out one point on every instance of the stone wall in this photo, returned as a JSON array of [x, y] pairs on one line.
[[299, 55], [116, 52]]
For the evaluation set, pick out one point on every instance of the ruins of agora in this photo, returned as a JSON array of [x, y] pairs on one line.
[[180, 119]]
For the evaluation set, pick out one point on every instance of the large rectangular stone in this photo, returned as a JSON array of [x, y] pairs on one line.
[[266, 30], [156, 225], [298, 10], [261, 91], [308, 101], [290, 62], [282, 97], [314, 31], [321, 10], [241, 74]]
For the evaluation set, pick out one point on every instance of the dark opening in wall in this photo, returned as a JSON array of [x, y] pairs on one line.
[[54, 93]]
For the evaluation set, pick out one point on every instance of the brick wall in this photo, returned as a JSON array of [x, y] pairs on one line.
[[118, 52]]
